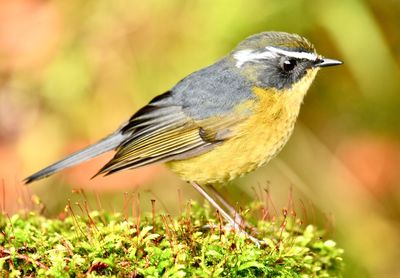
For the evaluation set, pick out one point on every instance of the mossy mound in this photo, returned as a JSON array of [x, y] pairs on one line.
[[106, 244]]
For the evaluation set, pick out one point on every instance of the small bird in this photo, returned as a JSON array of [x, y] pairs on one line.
[[219, 122]]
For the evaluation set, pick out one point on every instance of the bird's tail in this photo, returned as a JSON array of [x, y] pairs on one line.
[[107, 144]]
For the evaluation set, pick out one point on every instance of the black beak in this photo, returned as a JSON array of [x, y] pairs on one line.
[[325, 62]]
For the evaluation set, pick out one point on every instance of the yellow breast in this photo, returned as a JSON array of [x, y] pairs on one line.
[[257, 139]]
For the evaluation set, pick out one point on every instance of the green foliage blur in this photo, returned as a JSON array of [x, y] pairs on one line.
[[73, 71]]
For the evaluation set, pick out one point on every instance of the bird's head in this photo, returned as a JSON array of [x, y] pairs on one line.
[[278, 60]]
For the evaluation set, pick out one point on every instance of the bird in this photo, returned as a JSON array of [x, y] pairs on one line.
[[219, 122]]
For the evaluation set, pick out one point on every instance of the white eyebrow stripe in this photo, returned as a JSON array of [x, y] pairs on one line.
[[293, 54], [246, 55]]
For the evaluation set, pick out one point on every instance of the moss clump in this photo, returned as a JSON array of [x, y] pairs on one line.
[[101, 243]]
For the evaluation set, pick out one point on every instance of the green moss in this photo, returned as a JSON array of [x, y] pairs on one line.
[[101, 243]]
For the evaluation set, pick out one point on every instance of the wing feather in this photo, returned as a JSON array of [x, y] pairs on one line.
[[162, 131]]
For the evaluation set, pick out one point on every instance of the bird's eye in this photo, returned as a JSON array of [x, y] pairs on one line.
[[288, 65]]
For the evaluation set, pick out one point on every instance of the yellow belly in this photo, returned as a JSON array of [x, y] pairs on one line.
[[257, 139]]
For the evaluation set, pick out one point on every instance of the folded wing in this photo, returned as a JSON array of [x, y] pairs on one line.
[[162, 131]]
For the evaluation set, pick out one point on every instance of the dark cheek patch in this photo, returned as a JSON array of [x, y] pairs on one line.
[[274, 76]]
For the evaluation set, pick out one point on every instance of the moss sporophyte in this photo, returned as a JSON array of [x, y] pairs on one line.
[[192, 244]]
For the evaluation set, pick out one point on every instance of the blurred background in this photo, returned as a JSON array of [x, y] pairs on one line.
[[73, 71]]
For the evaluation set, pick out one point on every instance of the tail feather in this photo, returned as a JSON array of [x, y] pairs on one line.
[[107, 144]]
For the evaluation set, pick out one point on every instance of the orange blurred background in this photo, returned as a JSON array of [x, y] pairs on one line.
[[72, 71]]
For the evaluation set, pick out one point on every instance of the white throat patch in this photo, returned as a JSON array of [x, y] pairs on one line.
[[249, 55]]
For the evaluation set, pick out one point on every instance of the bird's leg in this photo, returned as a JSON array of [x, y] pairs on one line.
[[229, 207], [224, 214], [228, 218]]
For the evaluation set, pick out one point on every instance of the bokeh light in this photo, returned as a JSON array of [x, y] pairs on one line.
[[72, 71]]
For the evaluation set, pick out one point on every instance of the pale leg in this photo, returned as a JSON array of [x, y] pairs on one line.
[[231, 209], [224, 214]]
